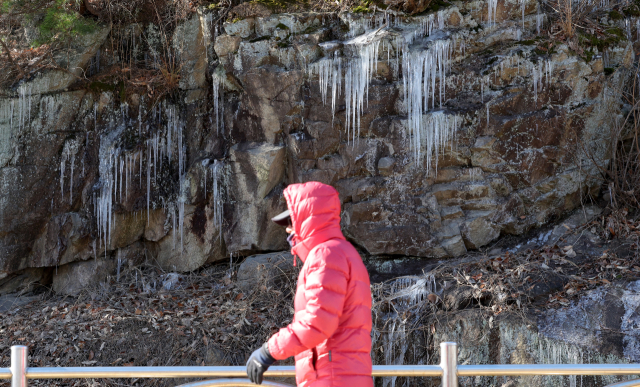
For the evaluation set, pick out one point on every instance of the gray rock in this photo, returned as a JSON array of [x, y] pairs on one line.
[[200, 242], [296, 23], [132, 255], [242, 28], [478, 232], [22, 281], [385, 166], [257, 169], [454, 246], [264, 270], [155, 228], [191, 41], [226, 44], [11, 301], [75, 277], [73, 62], [65, 239]]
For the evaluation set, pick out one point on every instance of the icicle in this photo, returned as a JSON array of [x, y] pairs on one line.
[[62, 166], [218, 101], [420, 70], [121, 169], [73, 161], [181, 223], [119, 264], [217, 195], [492, 8], [127, 175], [148, 181], [534, 72], [173, 221], [139, 119], [488, 116], [539, 22]]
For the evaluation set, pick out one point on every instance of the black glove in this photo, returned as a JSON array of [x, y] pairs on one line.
[[258, 363]]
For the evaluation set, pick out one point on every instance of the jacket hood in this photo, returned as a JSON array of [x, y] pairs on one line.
[[315, 215]]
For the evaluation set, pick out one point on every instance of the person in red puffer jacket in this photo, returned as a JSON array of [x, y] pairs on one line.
[[330, 335]]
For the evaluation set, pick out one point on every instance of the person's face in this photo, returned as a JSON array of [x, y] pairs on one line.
[[289, 229]]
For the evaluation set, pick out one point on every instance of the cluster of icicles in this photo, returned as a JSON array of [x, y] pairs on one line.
[[629, 24], [142, 169], [429, 127], [18, 114], [421, 70]]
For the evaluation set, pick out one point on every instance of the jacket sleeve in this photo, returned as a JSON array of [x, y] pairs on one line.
[[325, 290]]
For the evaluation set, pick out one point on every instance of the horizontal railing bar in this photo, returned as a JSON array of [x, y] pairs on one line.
[[289, 371], [149, 372], [181, 372], [548, 369], [407, 370], [233, 383]]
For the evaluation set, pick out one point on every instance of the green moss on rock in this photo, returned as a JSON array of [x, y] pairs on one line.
[[615, 15]]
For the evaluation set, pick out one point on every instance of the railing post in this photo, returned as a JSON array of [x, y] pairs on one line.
[[19, 364], [449, 364]]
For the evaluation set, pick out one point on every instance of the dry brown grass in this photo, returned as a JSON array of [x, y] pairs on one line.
[[131, 320]]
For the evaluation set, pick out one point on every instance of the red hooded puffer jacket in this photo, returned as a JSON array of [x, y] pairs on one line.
[[330, 335]]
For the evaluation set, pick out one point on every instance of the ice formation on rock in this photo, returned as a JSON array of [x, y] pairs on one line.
[[492, 10], [539, 22], [118, 167], [68, 154], [405, 293], [540, 72], [424, 70], [6, 129], [216, 194], [421, 70], [357, 77], [216, 170], [218, 101], [629, 23]]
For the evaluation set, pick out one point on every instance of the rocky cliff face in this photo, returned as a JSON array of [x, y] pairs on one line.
[[441, 132]]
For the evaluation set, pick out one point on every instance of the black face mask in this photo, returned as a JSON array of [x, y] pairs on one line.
[[290, 239]]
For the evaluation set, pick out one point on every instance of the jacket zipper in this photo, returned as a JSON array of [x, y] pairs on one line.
[[329, 356]]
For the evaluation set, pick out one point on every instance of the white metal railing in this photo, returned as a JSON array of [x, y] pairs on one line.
[[448, 370]]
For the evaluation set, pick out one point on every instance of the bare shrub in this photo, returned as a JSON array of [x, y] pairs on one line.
[[572, 14], [571, 17], [623, 174], [621, 171]]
